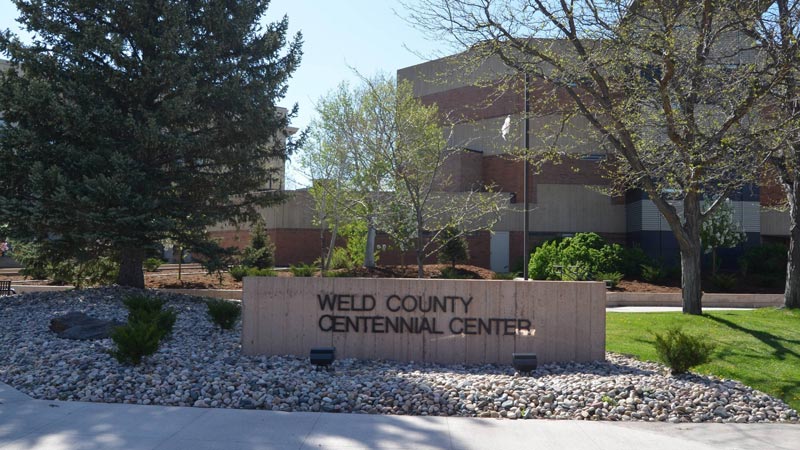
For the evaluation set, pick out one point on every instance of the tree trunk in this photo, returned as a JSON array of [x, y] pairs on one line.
[[691, 287], [369, 253], [327, 262], [420, 257], [691, 253], [791, 297], [130, 268]]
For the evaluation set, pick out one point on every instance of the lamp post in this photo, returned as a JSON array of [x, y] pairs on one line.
[[525, 209]]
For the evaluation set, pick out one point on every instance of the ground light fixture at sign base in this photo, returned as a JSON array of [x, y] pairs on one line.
[[322, 356], [524, 362]]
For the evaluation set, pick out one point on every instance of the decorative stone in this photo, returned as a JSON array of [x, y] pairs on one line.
[[80, 326], [198, 366]]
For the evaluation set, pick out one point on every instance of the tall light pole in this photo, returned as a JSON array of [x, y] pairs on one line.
[[525, 209]]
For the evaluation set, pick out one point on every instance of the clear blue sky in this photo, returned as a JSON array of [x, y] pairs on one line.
[[368, 35]]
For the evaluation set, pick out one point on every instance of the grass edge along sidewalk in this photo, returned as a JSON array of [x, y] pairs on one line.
[[760, 348]]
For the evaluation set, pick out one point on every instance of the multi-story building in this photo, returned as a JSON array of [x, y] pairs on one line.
[[565, 197]]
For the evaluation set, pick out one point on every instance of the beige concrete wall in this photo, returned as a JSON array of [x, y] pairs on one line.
[[568, 208], [575, 136], [564, 208], [296, 212], [558, 321], [774, 222]]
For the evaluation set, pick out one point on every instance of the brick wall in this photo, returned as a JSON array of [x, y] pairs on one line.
[[294, 246], [499, 99], [506, 174]]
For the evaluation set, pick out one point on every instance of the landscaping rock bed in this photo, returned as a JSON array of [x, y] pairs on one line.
[[202, 366]]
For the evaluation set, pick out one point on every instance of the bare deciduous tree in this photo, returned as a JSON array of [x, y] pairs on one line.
[[669, 88]]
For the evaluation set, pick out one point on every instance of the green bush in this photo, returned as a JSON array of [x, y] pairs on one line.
[[632, 260], [143, 303], [454, 274], [681, 351], [543, 260], [653, 273], [335, 274], [224, 313], [135, 341], [454, 248], [505, 275], [152, 264], [765, 259], [303, 270], [41, 264], [723, 282], [341, 259], [256, 272], [773, 281], [145, 309], [613, 278], [148, 323], [582, 256], [261, 252], [238, 272]]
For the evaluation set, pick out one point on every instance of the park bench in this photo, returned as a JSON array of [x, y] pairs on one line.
[[6, 289]]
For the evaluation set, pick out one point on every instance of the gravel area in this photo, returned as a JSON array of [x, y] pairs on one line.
[[202, 366]]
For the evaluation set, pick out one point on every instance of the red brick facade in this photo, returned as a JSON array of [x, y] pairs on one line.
[[506, 175], [293, 246]]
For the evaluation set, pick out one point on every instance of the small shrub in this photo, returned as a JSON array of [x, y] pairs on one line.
[[303, 270], [152, 264], [653, 274], [612, 277], [238, 272], [505, 275], [261, 252], [768, 281], [341, 259], [224, 313], [256, 272], [143, 303], [723, 282], [135, 341], [765, 259], [632, 260], [543, 260], [336, 274], [148, 310], [453, 274], [454, 247], [681, 351], [576, 272]]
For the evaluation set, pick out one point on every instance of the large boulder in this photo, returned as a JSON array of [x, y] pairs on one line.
[[81, 326]]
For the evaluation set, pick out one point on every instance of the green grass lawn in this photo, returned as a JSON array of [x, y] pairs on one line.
[[760, 348]]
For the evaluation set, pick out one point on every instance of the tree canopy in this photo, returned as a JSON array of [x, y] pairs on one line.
[[669, 90], [131, 121], [386, 151]]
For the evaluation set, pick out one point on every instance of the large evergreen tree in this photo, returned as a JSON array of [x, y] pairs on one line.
[[131, 121]]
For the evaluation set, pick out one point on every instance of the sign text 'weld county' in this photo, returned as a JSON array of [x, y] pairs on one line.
[[405, 316]]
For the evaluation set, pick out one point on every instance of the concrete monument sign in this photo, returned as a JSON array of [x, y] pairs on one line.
[[444, 321]]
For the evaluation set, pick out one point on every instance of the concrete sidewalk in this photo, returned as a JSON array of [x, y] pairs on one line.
[[52, 425]]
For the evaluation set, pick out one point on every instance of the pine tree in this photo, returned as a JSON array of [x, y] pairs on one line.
[[261, 252], [453, 246], [131, 121]]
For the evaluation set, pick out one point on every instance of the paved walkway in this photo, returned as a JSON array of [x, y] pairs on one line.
[[646, 309], [52, 425]]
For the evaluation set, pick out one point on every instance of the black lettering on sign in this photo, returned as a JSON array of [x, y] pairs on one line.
[[328, 302], [456, 325], [389, 303]]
